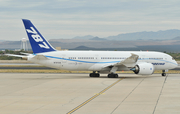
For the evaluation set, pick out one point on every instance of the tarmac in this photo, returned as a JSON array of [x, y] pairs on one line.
[[40, 93]]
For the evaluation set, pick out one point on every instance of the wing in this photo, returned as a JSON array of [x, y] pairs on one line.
[[128, 62]]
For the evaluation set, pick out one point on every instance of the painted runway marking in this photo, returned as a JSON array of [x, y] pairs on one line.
[[93, 97]]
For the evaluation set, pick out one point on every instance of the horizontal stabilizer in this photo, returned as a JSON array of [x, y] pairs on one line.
[[25, 53], [22, 56], [15, 55]]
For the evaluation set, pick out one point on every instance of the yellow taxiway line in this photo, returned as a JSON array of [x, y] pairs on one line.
[[96, 95]]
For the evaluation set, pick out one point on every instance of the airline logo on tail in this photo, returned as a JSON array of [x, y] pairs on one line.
[[38, 43], [37, 38]]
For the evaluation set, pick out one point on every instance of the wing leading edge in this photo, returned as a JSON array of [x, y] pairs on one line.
[[129, 62]]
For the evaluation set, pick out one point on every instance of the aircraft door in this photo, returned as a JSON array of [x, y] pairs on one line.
[[64, 59], [96, 57]]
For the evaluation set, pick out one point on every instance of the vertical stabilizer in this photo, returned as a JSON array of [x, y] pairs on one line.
[[38, 43]]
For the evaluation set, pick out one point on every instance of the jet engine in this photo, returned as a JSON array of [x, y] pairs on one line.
[[144, 69]]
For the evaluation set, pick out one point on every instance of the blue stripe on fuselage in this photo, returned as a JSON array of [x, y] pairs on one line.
[[82, 61], [101, 62]]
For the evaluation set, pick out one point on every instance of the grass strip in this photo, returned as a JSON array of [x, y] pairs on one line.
[[20, 66]]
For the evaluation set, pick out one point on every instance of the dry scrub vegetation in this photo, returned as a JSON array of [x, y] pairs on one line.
[[65, 71]]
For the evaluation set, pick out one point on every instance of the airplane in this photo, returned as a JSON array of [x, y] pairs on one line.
[[140, 62]]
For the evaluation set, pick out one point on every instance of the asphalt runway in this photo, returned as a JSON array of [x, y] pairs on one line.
[[40, 93]]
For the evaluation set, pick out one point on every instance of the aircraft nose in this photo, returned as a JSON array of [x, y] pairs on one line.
[[175, 64]]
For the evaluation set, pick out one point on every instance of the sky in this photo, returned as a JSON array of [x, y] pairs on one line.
[[65, 19]]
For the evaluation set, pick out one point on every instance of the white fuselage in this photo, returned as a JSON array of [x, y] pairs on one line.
[[98, 60]]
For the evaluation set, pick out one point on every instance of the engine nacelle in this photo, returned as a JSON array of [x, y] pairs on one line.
[[144, 69]]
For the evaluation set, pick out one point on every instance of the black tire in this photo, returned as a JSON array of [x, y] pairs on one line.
[[112, 75], [163, 74], [97, 75], [94, 75], [109, 75], [116, 75], [91, 75]]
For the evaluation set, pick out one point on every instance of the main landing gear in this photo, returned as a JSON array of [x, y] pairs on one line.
[[112, 72], [112, 75], [163, 73], [94, 74]]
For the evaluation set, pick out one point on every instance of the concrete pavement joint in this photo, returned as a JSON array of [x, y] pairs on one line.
[[127, 96], [159, 95], [93, 97]]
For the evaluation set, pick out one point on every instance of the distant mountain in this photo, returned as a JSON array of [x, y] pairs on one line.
[[83, 48], [176, 38], [159, 35], [12, 45], [2, 40], [130, 41], [134, 45], [97, 38], [84, 37]]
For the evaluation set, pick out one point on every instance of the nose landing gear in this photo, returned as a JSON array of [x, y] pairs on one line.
[[163, 72]]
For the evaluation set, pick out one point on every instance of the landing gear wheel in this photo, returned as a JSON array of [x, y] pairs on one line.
[[112, 75], [163, 74], [116, 75], [97, 75], [109, 76], [91, 74], [94, 75]]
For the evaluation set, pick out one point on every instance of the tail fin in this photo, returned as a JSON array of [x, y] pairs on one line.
[[38, 43]]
